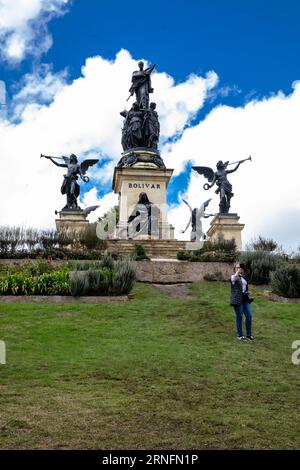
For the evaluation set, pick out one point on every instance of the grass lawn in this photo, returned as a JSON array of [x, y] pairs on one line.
[[152, 373]]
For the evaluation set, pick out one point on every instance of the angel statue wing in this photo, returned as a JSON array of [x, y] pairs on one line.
[[90, 209], [84, 166], [207, 172], [204, 206], [187, 204]]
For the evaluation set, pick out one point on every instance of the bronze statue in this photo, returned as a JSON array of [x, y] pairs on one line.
[[134, 127], [141, 126], [141, 85], [220, 179], [70, 187], [195, 221], [151, 127]]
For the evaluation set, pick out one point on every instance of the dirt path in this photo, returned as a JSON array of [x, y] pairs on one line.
[[179, 291]]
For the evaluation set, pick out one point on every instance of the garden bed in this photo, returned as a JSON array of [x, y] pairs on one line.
[[105, 277]]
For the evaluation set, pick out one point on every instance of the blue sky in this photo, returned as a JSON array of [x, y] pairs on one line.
[[252, 46]]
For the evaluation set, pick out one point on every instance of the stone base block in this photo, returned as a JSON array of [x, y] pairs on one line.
[[226, 226], [194, 245], [71, 221], [130, 182]]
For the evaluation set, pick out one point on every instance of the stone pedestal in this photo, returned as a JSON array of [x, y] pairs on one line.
[[194, 245], [227, 226], [143, 177], [71, 221]]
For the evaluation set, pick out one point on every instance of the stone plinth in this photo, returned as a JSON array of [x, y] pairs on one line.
[[226, 226], [147, 178], [194, 245], [71, 221]]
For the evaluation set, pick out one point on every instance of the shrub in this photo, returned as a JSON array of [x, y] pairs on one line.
[[107, 261], [17, 242], [4, 241], [33, 238], [220, 245], [285, 281], [99, 281], [49, 239], [11, 238], [139, 253], [216, 257], [207, 257], [89, 239], [123, 276], [79, 284], [111, 278], [67, 238], [183, 255], [113, 213], [263, 244], [259, 265], [83, 265]]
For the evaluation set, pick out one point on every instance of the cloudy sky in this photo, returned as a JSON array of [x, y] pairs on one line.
[[227, 85]]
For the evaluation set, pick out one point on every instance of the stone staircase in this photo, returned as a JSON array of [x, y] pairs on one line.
[[159, 249]]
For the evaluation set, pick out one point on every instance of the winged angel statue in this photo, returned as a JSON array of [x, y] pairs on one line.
[[195, 221], [70, 187], [220, 179]]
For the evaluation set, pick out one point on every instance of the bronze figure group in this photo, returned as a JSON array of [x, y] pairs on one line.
[[141, 124]]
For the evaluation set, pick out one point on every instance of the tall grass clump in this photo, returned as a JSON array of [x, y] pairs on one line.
[[124, 276]]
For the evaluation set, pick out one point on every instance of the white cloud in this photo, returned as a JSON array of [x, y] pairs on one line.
[[83, 118], [23, 26], [177, 104], [36, 89], [266, 189], [105, 203]]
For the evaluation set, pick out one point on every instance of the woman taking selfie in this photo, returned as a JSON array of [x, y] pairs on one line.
[[240, 301]]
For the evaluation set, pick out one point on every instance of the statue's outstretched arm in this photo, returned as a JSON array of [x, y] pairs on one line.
[[234, 169], [62, 165]]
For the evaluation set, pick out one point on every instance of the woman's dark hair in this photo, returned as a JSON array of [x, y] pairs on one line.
[[242, 265]]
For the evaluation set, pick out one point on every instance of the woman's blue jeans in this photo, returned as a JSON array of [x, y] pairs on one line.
[[245, 309]]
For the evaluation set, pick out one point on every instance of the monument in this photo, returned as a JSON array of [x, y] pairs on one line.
[[224, 224], [141, 177], [71, 216]]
